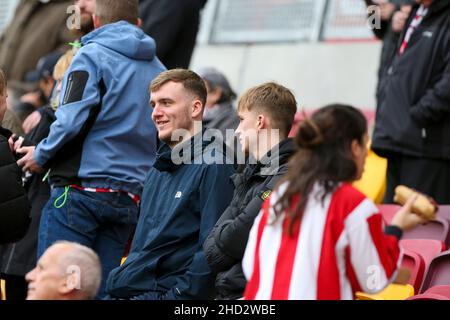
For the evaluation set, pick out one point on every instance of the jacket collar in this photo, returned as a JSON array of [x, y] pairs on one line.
[[273, 160], [166, 156]]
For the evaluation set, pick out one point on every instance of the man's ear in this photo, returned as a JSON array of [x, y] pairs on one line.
[[69, 284], [96, 20], [139, 22], [261, 122], [197, 109]]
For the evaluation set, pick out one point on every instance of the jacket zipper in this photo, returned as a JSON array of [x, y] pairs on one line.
[[10, 258], [68, 90]]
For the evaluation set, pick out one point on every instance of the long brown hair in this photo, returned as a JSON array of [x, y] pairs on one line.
[[324, 156]]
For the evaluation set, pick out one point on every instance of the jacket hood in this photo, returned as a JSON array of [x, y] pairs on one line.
[[124, 38]]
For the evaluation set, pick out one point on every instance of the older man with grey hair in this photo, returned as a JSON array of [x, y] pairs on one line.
[[66, 271]]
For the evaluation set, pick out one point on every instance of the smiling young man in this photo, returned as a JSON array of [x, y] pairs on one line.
[[181, 201], [266, 115]]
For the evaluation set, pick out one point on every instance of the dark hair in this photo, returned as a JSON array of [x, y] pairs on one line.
[[274, 100], [324, 156], [191, 81], [110, 11]]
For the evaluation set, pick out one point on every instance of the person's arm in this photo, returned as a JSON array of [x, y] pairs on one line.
[[215, 195], [373, 252], [81, 90], [435, 104]]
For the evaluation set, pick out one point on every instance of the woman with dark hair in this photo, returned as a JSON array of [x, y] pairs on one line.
[[317, 237]]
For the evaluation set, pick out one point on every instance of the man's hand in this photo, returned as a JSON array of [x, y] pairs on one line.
[[27, 162], [14, 144], [399, 19]]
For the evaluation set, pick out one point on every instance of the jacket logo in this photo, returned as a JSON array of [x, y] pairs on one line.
[[266, 195], [178, 195], [427, 34]]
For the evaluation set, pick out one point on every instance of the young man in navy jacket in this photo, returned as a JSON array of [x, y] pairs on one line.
[[186, 191]]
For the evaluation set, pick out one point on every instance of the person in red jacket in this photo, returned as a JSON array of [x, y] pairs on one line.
[[316, 237]]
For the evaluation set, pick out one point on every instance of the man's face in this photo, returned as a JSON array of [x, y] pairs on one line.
[[172, 109], [247, 131], [87, 9], [45, 280]]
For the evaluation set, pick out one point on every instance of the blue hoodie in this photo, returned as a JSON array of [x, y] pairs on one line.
[[103, 136]]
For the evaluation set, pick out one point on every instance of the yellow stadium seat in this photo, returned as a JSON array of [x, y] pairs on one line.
[[391, 292], [373, 181]]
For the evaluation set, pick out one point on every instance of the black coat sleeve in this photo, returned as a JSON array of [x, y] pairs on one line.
[[14, 206], [435, 103]]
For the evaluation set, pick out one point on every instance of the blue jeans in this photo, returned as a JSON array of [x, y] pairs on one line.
[[101, 221]]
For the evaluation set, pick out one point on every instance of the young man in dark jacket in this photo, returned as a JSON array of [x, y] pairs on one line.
[[413, 115], [185, 192], [263, 111]]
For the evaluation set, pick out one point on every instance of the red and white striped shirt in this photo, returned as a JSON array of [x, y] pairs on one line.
[[338, 248], [420, 15]]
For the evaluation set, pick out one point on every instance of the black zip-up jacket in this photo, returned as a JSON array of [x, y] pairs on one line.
[[14, 207], [224, 248], [19, 258], [413, 114]]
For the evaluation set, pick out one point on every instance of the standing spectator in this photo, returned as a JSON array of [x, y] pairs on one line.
[[219, 111], [37, 28], [174, 25], [318, 238], [19, 258], [14, 207], [103, 141], [390, 31], [87, 10], [412, 128], [263, 109], [181, 202], [66, 271]]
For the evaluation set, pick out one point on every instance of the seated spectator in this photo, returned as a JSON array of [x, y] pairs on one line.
[[17, 259], [181, 201], [66, 271], [317, 237], [262, 110], [219, 112], [14, 207]]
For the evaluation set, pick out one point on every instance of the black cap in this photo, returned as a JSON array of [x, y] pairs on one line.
[[44, 67]]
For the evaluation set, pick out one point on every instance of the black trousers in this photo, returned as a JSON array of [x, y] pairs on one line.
[[429, 176]]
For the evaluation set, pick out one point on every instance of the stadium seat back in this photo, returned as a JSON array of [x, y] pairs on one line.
[[438, 273], [437, 229], [416, 266], [388, 211]]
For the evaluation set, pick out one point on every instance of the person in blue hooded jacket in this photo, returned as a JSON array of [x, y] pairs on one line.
[[185, 193], [103, 141]]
